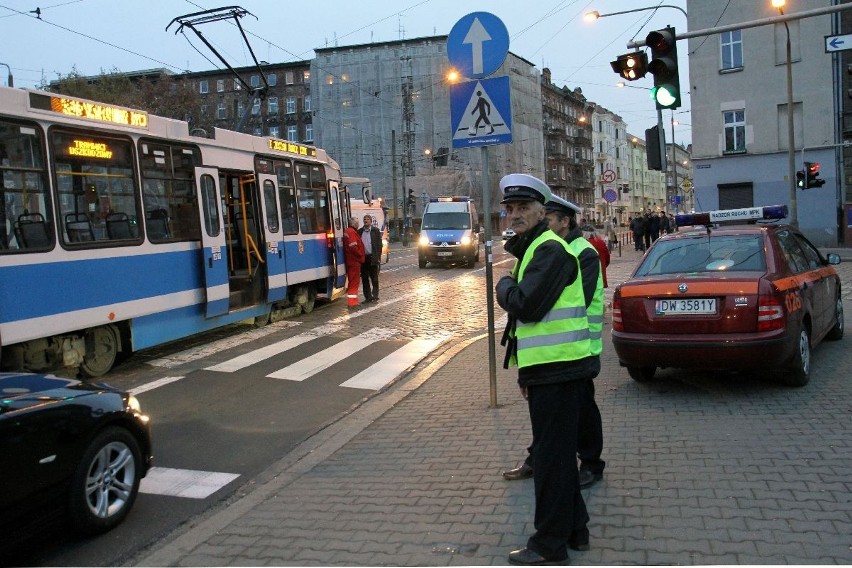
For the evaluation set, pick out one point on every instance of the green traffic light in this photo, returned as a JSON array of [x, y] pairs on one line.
[[665, 96]]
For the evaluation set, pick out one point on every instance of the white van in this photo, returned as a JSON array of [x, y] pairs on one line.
[[367, 205], [449, 232]]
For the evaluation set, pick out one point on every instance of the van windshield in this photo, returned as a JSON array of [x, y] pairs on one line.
[[446, 221]]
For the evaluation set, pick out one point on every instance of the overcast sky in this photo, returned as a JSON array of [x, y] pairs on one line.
[[129, 35]]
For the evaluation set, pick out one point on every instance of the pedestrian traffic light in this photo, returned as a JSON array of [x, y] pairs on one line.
[[663, 66], [800, 179], [631, 66], [812, 175]]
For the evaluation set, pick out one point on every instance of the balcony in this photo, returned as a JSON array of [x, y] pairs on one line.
[[601, 156]]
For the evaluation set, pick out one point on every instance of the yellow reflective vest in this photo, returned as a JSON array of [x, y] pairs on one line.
[[596, 308], [563, 333]]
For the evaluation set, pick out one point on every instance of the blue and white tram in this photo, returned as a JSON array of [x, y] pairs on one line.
[[121, 231]]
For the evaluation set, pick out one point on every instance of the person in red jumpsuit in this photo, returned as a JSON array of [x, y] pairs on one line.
[[353, 252], [603, 252]]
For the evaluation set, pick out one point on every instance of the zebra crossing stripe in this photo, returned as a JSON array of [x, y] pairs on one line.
[[153, 384], [187, 483], [310, 366], [252, 357], [380, 373]]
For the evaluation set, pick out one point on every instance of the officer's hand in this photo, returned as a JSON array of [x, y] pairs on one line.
[[524, 393]]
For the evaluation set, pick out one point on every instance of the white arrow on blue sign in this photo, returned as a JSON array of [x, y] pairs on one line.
[[478, 44]]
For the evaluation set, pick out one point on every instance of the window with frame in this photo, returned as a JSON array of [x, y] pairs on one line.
[[796, 259], [287, 197], [293, 133], [306, 76], [258, 131], [732, 49], [309, 132], [237, 85], [203, 87], [734, 121], [168, 190], [274, 131], [306, 103], [272, 105], [220, 111], [25, 209], [312, 199], [241, 109], [272, 79], [254, 81], [291, 105], [288, 77], [255, 107], [220, 85], [96, 188]]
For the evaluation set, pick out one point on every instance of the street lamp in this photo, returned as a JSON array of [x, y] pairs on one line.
[[11, 81], [595, 15], [791, 139]]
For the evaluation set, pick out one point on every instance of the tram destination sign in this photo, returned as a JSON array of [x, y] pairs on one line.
[[98, 112], [287, 146]]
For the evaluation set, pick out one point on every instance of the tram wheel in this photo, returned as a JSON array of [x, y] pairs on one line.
[[308, 306], [102, 346]]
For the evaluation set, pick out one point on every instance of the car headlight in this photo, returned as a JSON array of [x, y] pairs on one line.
[[133, 403], [465, 240], [424, 240]]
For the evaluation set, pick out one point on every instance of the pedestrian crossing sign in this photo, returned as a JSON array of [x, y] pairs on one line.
[[481, 112]]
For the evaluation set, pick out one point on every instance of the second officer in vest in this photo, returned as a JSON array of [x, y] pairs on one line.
[[549, 340]]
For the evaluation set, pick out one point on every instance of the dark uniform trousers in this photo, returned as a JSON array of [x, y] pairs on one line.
[[559, 506]]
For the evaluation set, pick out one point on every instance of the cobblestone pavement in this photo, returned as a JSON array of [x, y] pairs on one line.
[[701, 469]]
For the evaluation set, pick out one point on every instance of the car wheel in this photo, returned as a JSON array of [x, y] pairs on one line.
[[836, 332], [421, 262], [105, 482], [102, 345], [800, 370], [641, 374]]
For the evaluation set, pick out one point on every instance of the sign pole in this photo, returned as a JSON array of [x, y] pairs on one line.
[[489, 280]]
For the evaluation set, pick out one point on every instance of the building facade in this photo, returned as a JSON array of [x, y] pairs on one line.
[[646, 188], [285, 110], [567, 141], [383, 112], [611, 152], [739, 112]]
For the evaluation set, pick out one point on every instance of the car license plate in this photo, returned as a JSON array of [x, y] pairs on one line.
[[448, 253], [684, 306]]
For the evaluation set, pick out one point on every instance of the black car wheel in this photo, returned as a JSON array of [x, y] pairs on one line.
[[421, 262], [106, 482], [836, 332], [800, 370], [641, 374]]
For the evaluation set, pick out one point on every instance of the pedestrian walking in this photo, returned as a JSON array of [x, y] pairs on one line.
[[591, 235], [646, 232], [562, 220], [371, 237], [353, 255], [654, 227], [548, 338], [637, 227]]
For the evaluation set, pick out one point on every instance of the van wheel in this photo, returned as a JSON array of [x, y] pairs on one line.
[[421, 262]]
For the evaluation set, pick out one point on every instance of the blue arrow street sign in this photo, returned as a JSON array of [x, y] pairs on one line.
[[838, 43], [477, 45], [481, 112]]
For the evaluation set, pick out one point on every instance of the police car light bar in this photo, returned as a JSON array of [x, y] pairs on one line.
[[770, 212], [448, 199]]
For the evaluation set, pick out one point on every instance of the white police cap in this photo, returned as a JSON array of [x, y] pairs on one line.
[[561, 205], [524, 187]]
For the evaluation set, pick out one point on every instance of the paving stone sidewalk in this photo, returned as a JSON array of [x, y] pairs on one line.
[[700, 470]]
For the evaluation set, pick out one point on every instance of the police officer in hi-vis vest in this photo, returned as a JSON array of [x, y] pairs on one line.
[[562, 219], [548, 337]]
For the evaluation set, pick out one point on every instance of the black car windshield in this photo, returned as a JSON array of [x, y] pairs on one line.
[[446, 221], [707, 253]]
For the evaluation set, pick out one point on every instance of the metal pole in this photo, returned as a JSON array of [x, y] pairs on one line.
[[674, 166], [395, 195], [11, 81], [791, 141], [489, 279]]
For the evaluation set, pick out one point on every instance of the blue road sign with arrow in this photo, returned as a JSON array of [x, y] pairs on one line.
[[481, 112], [478, 44]]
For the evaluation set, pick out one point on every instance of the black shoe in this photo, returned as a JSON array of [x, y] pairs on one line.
[[528, 557], [579, 539], [589, 478], [523, 471], [375, 299]]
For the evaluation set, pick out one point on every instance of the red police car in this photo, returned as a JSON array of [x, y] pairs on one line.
[[736, 290]]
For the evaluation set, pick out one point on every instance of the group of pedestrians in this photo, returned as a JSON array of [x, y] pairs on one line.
[[649, 227], [362, 249], [555, 305]]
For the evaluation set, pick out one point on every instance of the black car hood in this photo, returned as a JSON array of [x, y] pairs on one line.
[[23, 390]]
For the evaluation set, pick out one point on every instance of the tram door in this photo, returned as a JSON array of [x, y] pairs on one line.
[[276, 263], [213, 245]]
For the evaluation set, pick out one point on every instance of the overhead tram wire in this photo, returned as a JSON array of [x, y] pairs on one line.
[[130, 51], [42, 9]]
